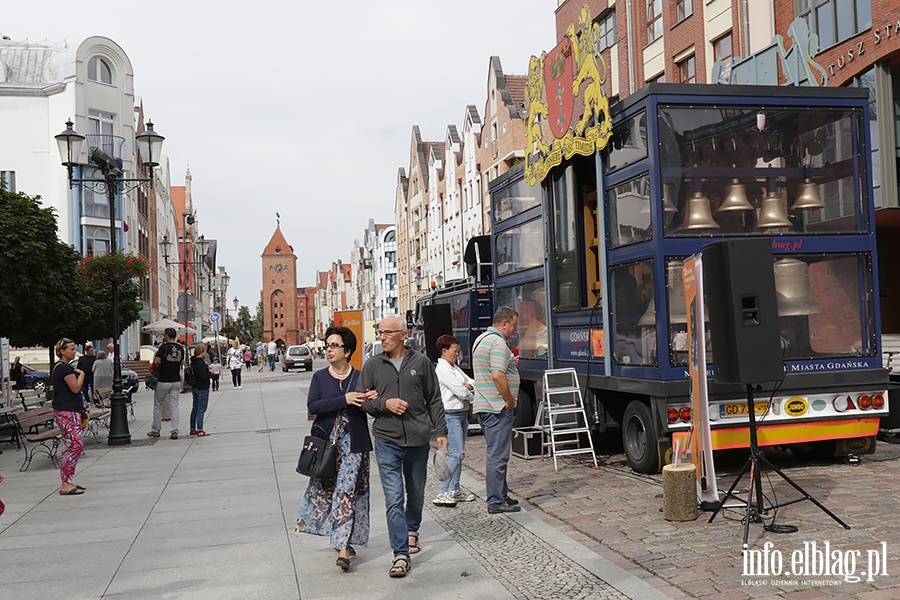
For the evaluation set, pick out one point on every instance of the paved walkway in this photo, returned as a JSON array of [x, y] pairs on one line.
[[213, 518]]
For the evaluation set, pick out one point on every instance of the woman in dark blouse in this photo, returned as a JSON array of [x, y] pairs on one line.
[[67, 406], [339, 508]]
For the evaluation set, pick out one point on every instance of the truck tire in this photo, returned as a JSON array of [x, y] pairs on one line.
[[639, 434], [525, 407]]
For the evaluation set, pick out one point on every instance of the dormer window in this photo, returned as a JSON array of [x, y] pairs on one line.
[[277, 249], [99, 70]]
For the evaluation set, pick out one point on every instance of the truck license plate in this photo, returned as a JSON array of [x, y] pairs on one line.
[[735, 410]]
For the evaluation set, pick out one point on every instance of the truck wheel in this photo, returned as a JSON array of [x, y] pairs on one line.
[[525, 407], [639, 438]]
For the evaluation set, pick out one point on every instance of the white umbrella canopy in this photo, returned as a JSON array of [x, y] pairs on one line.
[[211, 339], [159, 327]]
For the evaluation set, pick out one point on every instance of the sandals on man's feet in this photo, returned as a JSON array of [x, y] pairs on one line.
[[414, 542], [343, 563], [400, 567]]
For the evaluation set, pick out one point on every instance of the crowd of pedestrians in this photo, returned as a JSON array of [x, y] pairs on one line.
[[410, 401]]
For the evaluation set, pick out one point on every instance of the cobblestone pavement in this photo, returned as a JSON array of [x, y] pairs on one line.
[[617, 513], [524, 563]]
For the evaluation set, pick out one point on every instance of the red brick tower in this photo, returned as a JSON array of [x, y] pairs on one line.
[[279, 291]]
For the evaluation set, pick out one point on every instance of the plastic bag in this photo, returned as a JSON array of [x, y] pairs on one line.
[[439, 462]]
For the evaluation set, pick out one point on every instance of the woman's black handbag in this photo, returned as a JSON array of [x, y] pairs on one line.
[[318, 458]]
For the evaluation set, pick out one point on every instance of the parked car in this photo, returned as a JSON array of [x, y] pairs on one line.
[[297, 357], [373, 349], [36, 380]]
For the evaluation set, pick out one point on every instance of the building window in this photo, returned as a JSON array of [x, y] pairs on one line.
[[101, 122], [96, 240], [683, 9], [834, 20], [607, 24], [8, 181], [96, 204], [98, 70], [722, 48], [661, 78], [654, 20], [686, 73]]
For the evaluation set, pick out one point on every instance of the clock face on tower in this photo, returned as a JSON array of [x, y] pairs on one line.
[[278, 267]]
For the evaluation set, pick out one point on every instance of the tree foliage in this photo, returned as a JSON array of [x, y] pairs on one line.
[[47, 290], [42, 298]]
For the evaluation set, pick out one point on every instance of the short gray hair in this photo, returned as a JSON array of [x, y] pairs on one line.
[[401, 324], [504, 313]]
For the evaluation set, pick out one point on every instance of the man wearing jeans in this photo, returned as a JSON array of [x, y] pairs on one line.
[[167, 365], [496, 388], [406, 410]]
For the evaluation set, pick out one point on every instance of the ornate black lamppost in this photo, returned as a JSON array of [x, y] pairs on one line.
[[149, 146]]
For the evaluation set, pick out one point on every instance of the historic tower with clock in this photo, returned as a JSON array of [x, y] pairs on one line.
[[279, 291]]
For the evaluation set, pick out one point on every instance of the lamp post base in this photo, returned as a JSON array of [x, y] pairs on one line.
[[118, 420]]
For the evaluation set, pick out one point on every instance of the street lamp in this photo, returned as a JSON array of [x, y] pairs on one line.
[[149, 146], [187, 219]]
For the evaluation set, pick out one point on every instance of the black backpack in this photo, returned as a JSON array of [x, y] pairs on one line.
[[190, 377]]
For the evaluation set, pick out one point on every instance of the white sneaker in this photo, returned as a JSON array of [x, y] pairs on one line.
[[444, 500], [461, 496], [240, 387]]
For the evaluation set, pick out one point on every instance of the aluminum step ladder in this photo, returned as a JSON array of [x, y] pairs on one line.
[[563, 422]]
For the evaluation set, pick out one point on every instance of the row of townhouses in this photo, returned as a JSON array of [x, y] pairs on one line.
[[442, 197], [42, 86]]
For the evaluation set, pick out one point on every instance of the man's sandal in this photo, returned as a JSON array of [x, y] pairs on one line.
[[400, 567], [343, 563], [414, 542]]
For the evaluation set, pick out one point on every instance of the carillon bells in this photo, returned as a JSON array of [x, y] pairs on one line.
[[808, 197], [771, 213], [668, 206], [736, 198], [792, 289], [698, 214]]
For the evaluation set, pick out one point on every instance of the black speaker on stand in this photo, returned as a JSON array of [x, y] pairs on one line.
[[743, 319], [436, 321]]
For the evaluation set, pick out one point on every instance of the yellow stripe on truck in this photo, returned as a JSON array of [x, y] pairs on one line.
[[794, 433]]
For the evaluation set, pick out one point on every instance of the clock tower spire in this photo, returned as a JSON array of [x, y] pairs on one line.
[[279, 290]]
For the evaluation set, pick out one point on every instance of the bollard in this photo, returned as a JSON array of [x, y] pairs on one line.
[[680, 492]]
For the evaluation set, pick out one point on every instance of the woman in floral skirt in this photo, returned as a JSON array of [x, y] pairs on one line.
[[339, 508]]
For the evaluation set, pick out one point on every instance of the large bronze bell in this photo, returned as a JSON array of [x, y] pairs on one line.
[[698, 214], [736, 198], [808, 197], [771, 213], [792, 289]]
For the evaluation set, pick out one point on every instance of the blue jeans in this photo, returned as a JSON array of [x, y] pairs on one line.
[[201, 400], [497, 430], [272, 362], [396, 464], [457, 429]]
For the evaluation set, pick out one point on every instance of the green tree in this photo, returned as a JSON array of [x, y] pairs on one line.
[[98, 273], [42, 298], [258, 320]]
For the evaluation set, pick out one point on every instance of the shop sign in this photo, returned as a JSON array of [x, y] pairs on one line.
[[566, 112]]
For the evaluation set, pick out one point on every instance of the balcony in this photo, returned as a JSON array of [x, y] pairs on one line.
[[111, 144]]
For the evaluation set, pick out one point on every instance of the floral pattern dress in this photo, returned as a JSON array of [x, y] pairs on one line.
[[339, 508]]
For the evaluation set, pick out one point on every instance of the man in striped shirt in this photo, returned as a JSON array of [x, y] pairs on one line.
[[496, 389]]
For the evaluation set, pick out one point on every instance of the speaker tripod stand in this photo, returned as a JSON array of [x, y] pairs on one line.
[[756, 461]]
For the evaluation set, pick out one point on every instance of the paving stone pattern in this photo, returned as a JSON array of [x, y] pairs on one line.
[[617, 513], [526, 565]]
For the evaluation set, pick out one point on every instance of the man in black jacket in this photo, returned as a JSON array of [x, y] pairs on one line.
[[407, 409], [86, 364]]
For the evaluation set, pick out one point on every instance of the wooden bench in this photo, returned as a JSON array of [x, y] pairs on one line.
[[32, 398], [28, 427], [102, 396]]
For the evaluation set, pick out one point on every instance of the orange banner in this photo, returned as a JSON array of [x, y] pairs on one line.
[[352, 320]]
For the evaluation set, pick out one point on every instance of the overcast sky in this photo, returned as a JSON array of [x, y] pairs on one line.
[[301, 108]]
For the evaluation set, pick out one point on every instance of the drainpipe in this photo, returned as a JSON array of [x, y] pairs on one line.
[[630, 48], [746, 27]]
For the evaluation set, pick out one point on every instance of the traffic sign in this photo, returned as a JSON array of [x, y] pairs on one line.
[[214, 317]]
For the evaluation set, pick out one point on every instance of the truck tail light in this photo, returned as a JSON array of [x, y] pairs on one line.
[[843, 403], [685, 414], [877, 401], [864, 402], [672, 414]]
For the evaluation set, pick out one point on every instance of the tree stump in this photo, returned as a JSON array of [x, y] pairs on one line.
[[680, 492]]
